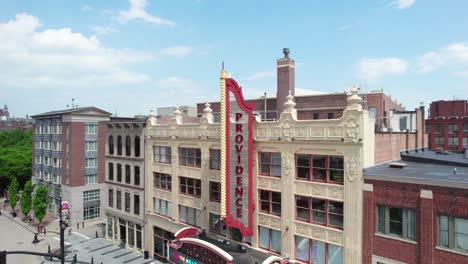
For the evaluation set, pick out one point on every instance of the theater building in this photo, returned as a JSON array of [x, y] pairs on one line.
[[125, 182], [257, 191], [416, 210]]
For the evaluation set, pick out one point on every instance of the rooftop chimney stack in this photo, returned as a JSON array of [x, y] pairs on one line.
[[285, 80]]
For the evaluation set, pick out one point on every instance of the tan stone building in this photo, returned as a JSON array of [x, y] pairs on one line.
[[307, 185]]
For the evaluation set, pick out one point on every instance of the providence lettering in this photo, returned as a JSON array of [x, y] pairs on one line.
[[239, 140]]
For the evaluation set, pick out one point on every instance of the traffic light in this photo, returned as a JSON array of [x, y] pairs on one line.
[[3, 257]]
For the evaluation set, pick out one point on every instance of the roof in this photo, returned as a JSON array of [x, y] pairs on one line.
[[127, 120], [428, 168], [72, 111]]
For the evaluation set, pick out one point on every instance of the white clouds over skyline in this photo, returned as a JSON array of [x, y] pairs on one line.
[[374, 69], [403, 4], [177, 51], [454, 55], [137, 11]]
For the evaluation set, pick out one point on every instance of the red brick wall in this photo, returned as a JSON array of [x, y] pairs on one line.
[[446, 201], [449, 108], [102, 152], [285, 82], [64, 152], [77, 153], [323, 114]]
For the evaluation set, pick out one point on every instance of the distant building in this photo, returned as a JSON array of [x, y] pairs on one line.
[[4, 114], [415, 210], [125, 181], [11, 123], [69, 158], [186, 111], [447, 125]]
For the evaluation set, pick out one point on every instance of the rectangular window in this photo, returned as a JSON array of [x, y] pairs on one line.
[[127, 174], [403, 123], [439, 128], [319, 211], [330, 115], [136, 204], [127, 202], [111, 171], [315, 116], [215, 159], [91, 212], [270, 202], [91, 179], [465, 141], [93, 195], [453, 141], [162, 207], [91, 204], [453, 233], [400, 222], [91, 162], [320, 168], [162, 154], [439, 141], [57, 145], [119, 172], [270, 164], [215, 191], [465, 128], [162, 181], [111, 198], [56, 178], [217, 225], [190, 186], [312, 251], [137, 175], [190, 157], [119, 200], [453, 128], [91, 128], [91, 146], [269, 239], [190, 215]]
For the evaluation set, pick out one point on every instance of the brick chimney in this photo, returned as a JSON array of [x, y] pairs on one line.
[[285, 80]]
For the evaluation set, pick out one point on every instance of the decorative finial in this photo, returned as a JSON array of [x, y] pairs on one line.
[[207, 109], [290, 104], [354, 101], [177, 116], [223, 73]]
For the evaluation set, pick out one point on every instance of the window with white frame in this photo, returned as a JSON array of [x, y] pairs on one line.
[[453, 232], [56, 178], [91, 129], [189, 215], [39, 174], [91, 212], [91, 204], [162, 207], [91, 179], [38, 159], [162, 154], [47, 176], [57, 162], [91, 146], [46, 144], [56, 145], [92, 195], [91, 162], [47, 160], [38, 144], [395, 221]]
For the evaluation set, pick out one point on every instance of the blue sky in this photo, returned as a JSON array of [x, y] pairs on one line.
[[133, 56]]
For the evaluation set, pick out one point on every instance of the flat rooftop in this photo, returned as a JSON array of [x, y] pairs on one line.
[[428, 168]]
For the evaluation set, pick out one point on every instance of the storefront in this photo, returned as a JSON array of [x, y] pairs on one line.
[[124, 232]]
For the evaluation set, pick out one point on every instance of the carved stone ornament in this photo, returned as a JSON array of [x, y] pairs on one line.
[[351, 129], [286, 163], [286, 129], [352, 163]]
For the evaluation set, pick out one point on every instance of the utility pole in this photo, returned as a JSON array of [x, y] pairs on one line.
[[62, 236]]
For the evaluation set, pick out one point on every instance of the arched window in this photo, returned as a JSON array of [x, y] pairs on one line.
[[111, 145], [137, 146], [128, 146], [119, 145]]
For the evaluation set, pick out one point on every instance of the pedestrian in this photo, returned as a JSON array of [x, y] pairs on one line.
[[69, 231], [32, 218]]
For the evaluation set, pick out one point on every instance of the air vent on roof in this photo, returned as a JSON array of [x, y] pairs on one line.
[[398, 165]]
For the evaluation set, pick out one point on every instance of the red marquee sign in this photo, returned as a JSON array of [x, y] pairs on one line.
[[239, 182]]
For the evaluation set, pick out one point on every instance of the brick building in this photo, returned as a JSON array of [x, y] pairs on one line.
[[416, 210], [125, 181], [447, 125], [381, 107], [68, 157]]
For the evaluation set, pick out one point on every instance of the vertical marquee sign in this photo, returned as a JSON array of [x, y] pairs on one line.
[[236, 157]]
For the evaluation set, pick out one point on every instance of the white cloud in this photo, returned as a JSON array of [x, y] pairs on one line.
[[87, 8], [459, 52], [261, 75], [452, 55], [373, 69], [402, 4], [345, 27], [137, 11], [61, 58], [177, 51], [429, 61], [104, 30]]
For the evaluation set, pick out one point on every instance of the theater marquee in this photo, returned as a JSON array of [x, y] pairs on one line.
[[236, 157]]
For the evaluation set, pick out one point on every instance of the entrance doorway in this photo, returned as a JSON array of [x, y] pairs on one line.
[[123, 232]]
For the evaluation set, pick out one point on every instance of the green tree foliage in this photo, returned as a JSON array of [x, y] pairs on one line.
[[40, 202], [13, 193], [15, 157], [26, 198]]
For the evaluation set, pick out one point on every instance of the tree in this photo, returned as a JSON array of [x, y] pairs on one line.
[[40, 202], [13, 193], [15, 157], [26, 198]]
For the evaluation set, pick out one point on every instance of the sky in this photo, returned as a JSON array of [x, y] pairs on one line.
[[132, 56]]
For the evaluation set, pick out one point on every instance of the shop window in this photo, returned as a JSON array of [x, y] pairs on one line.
[[162, 154], [161, 238], [312, 251], [270, 202], [162, 181], [439, 141], [453, 233], [270, 164], [395, 221], [269, 239], [215, 191], [91, 204], [215, 159], [319, 211], [131, 234], [453, 141], [217, 225], [320, 168], [190, 186], [190, 157]]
